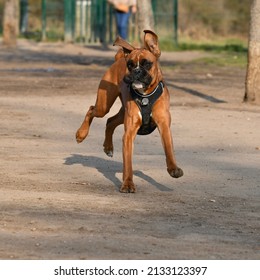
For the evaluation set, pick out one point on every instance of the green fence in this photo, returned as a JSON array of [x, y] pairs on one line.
[[92, 21], [88, 21]]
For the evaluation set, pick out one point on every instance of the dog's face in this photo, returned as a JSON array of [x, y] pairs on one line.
[[141, 68], [142, 64]]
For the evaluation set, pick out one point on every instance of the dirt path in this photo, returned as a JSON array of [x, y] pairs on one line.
[[60, 200]]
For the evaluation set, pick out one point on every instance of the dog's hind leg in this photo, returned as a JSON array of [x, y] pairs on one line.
[[106, 96], [112, 123]]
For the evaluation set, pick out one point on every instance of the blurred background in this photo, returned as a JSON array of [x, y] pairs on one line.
[[182, 24]]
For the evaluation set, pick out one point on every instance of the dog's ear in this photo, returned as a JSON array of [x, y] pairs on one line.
[[127, 48], [151, 42]]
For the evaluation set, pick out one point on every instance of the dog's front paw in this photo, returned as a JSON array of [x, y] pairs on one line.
[[175, 173], [128, 187], [81, 135]]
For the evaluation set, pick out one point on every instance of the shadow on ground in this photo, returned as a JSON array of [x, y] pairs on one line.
[[109, 169]]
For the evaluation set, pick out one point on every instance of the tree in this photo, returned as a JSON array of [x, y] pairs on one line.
[[252, 91], [145, 16], [11, 22]]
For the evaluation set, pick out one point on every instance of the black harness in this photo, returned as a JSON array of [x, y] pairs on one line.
[[145, 103]]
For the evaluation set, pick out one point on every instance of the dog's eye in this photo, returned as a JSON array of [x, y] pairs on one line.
[[146, 64], [130, 65]]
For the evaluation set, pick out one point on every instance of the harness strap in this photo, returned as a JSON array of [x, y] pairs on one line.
[[145, 103]]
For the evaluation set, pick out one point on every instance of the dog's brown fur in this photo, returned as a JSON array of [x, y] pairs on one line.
[[112, 86]]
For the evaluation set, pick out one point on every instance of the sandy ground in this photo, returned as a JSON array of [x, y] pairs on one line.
[[61, 200]]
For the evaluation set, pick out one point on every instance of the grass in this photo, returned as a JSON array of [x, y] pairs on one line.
[[225, 52], [51, 36], [225, 59], [218, 45]]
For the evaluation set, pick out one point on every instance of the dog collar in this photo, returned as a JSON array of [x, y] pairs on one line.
[[145, 103]]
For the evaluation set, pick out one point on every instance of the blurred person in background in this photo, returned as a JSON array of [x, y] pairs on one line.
[[123, 10]]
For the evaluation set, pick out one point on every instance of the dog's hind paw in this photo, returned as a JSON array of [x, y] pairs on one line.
[[128, 188], [175, 173]]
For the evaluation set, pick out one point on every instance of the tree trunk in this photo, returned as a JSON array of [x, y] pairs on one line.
[[145, 16], [11, 22], [252, 93]]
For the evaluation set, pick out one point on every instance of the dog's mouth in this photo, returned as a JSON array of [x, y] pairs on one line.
[[138, 81], [139, 86]]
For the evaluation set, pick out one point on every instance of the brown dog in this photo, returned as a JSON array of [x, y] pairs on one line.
[[137, 80]]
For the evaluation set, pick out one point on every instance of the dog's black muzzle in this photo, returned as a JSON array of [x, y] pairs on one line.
[[139, 76]]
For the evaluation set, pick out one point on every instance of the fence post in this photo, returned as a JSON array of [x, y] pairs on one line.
[[110, 24], [43, 20], [69, 20], [175, 19], [23, 15], [81, 20], [102, 24]]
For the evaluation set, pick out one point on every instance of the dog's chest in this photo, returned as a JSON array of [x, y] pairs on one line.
[[145, 104]]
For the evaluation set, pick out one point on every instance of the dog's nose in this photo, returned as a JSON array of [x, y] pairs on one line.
[[137, 71]]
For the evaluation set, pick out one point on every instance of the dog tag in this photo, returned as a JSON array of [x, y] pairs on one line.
[[145, 101]]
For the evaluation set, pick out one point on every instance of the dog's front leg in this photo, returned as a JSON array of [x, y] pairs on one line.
[[164, 122], [132, 124], [128, 184], [172, 167]]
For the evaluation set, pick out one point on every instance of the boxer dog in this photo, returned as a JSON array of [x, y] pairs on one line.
[[134, 77]]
